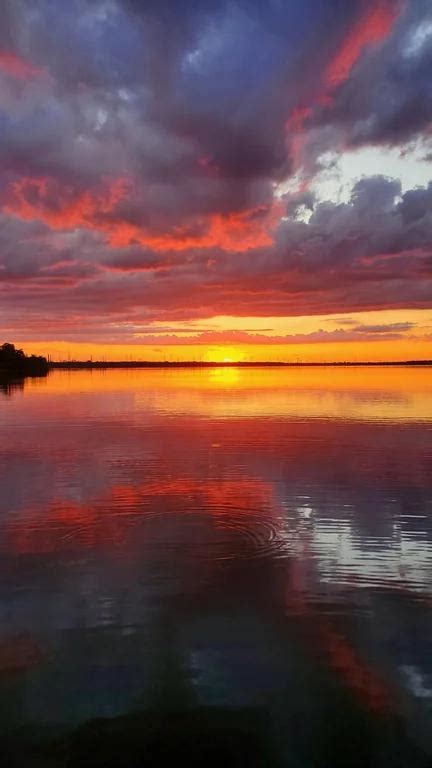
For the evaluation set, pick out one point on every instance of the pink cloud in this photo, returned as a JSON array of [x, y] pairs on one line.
[[15, 66]]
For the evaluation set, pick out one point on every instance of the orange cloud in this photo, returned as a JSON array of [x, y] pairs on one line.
[[238, 231], [32, 198], [61, 208]]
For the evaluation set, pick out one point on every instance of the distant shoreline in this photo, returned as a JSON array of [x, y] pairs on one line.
[[100, 365]]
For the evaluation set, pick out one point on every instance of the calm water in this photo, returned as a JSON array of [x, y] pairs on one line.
[[231, 564]]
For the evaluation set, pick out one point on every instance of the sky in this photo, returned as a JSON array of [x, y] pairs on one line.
[[216, 179]]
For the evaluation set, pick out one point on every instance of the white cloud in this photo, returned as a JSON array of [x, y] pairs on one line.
[[341, 172]]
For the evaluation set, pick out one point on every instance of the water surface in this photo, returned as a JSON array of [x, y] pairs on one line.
[[235, 564]]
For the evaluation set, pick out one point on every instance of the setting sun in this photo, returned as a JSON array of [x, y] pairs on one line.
[[224, 354]]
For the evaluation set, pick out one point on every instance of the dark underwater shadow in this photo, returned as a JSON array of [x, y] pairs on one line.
[[213, 737], [202, 736]]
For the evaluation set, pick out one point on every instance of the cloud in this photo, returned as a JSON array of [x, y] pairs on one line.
[[142, 144], [384, 328], [372, 252], [17, 67], [391, 331], [387, 99], [372, 28]]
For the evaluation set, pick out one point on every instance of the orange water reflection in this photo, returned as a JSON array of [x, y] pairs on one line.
[[242, 520], [400, 393]]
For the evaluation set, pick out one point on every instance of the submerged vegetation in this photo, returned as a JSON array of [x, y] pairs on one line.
[[14, 362]]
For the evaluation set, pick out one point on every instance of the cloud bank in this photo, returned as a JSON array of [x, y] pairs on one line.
[[143, 147]]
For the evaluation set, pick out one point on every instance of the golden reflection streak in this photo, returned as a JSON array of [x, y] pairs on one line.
[[339, 393]]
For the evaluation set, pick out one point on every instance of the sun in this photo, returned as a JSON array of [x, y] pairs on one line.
[[224, 355]]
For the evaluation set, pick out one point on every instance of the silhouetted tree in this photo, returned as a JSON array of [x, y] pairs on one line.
[[14, 361]]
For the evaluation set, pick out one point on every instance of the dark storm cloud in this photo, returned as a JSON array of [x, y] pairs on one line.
[[155, 88], [388, 98], [377, 226]]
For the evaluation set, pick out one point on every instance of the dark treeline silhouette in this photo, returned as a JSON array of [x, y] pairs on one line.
[[13, 362]]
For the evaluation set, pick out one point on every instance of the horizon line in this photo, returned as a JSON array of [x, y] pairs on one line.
[[65, 364]]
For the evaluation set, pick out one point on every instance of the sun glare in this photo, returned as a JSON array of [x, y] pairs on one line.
[[224, 355]]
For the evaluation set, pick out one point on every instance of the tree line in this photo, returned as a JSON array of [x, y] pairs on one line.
[[15, 361]]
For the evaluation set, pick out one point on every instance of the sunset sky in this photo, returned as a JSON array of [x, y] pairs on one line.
[[216, 179]]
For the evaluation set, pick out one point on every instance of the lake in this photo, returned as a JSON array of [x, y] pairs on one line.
[[224, 565]]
